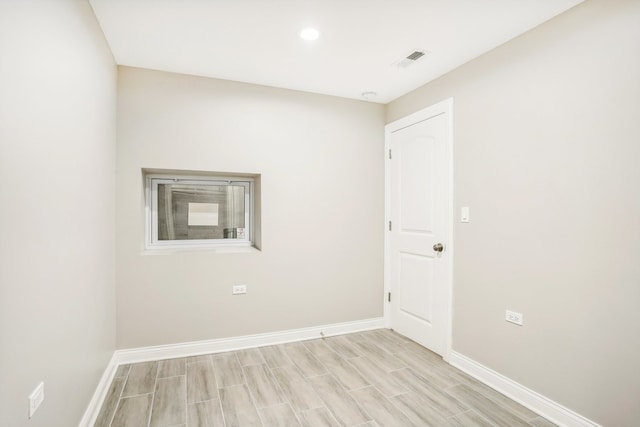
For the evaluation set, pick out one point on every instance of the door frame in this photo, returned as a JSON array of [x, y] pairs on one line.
[[445, 106]]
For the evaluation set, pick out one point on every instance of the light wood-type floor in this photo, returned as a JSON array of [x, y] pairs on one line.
[[370, 379]]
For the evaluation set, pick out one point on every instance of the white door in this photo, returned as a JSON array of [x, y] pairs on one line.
[[419, 240]]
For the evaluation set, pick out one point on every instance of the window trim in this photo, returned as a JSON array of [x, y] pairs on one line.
[[151, 181]]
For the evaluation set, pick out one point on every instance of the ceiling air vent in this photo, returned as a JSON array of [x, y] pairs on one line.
[[411, 58], [415, 55]]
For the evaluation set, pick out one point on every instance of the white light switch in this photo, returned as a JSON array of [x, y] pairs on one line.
[[464, 214]]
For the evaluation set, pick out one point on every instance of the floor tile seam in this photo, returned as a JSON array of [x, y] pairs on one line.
[[310, 376], [488, 421], [480, 413], [389, 399], [253, 364], [314, 357], [276, 383], [185, 400], [117, 403], [136, 395], [495, 402], [171, 376], [209, 414], [295, 414], [153, 397], [376, 365], [350, 391], [224, 420], [362, 374], [431, 380], [332, 347], [191, 362], [501, 404], [296, 381], [398, 369], [361, 408], [231, 385], [244, 377], [351, 357], [125, 375], [335, 416], [222, 411], [253, 401], [202, 401], [317, 354], [255, 407], [425, 401], [218, 384], [458, 382]]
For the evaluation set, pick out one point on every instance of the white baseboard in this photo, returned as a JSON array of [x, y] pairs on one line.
[[145, 354], [196, 348], [538, 403], [91, 413]]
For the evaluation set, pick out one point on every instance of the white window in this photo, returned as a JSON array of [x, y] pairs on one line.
[[199, 211]]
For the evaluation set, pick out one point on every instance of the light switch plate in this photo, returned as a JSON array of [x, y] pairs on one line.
[[464, 214], [36, 398]]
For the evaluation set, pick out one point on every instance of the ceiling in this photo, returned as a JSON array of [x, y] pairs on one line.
[[360, 44]]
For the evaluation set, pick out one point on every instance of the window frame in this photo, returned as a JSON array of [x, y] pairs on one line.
[[151, 182]]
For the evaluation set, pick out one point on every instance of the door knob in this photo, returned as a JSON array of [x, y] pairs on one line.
[[438, 247]]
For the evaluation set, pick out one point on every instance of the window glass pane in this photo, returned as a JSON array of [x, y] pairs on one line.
[[201, 211]]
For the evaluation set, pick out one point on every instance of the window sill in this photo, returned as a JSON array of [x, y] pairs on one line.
[[231, 249]]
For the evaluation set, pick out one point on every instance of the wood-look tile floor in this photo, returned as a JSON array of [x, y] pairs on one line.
[[370, 379]]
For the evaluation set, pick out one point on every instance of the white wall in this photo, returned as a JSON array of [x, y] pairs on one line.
[[321, 162], [546, 148], [57, 163]]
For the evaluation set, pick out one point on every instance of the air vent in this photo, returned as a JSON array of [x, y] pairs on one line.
[[415, 55], [410, 58]]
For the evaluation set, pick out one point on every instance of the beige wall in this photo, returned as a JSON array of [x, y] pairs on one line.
[[547, 144], [57, 164], [321, 163]]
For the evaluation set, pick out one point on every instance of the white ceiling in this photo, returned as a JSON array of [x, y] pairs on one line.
[[256, 41]]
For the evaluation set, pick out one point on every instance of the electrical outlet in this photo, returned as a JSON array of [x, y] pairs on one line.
[[514, 317], [36, 398], [239, 289]]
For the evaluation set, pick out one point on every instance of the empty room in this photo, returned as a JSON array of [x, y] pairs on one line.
[[319, 213]]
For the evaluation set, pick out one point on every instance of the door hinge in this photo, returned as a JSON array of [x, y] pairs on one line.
[[389, 153], [389, 297], [389, 225]]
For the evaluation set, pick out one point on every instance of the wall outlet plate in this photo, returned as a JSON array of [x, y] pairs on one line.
[[514, 317], [239, 289]]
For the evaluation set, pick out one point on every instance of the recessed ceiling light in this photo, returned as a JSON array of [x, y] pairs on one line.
[[309, 34], [368, 94]]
